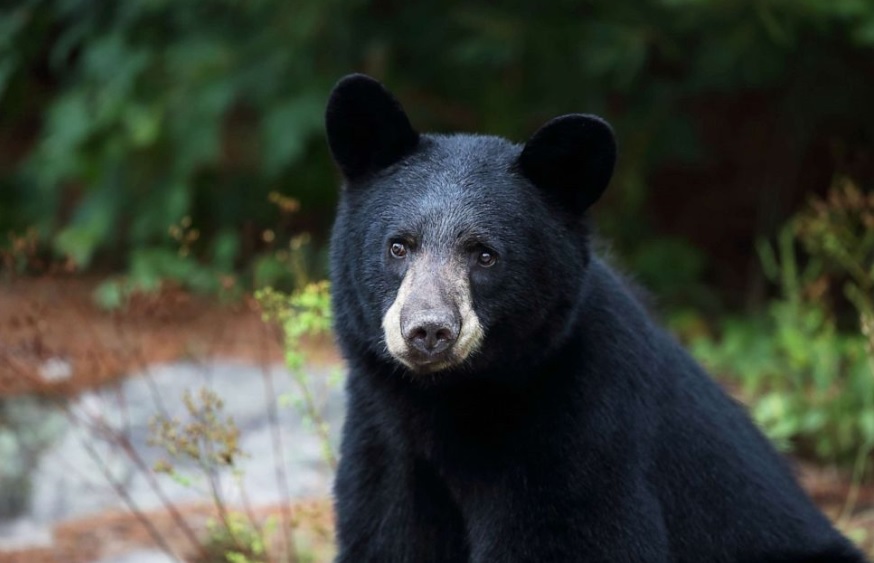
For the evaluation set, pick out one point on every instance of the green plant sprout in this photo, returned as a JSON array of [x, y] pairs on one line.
[[240, 543], [302, 315]]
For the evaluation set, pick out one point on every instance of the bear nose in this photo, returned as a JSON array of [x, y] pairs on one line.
[[431, 334]]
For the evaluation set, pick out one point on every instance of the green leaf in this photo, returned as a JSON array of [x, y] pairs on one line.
[[287, 127], [225, 249], [110, 295]]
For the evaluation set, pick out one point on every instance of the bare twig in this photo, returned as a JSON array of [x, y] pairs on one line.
[[278, 456], [120, 490], [122, 442]]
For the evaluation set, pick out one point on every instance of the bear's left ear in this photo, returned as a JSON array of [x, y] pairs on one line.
[[571, 159], [366, 126]]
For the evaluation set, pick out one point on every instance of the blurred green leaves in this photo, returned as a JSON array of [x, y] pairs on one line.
[[157, 110], [810, 386], [135, 114]]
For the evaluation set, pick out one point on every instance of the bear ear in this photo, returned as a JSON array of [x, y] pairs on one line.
[[571, 159], [367, 127]]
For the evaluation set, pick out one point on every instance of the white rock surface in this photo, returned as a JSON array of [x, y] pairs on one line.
[[140, 556], [66, 482]]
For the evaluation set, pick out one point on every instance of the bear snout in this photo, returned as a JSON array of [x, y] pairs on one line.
[[431, 333], [431, 324]]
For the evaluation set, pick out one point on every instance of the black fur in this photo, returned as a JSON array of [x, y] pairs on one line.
[[367, 128], [580, 431], [567, 154]]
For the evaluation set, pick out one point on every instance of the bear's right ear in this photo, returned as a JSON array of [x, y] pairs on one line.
[[571, 160], [367, 127]]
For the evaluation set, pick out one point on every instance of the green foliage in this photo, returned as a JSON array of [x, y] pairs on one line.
[[302, 317], [238, 542], [210, 440], [296, 265], [809, 386], [304, 313], [840, 232], [670, 268], [164, 110], [136, 114], [19, 252]]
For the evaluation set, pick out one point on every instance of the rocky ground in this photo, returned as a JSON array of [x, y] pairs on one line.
[[80, 386]]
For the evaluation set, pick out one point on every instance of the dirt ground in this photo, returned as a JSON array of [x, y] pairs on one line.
[[55, 341], [49, 322]]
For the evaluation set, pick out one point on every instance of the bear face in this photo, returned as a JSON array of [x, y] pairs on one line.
[[464, 233]]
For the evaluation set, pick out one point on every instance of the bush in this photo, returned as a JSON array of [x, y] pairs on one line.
[[302, 317], [119, 120], [840, 232], [810, 386]]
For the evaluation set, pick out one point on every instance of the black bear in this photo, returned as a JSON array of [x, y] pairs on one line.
[[509, 398]]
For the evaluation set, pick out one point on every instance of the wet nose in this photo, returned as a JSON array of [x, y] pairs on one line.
[[431, 334]]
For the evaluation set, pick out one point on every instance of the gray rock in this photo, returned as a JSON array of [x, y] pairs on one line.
[[66, 481], [140, 556]]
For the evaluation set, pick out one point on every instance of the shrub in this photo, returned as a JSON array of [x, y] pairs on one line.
[[810, 385]]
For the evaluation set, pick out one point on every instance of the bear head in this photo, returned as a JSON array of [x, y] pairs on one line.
[[458, 254]]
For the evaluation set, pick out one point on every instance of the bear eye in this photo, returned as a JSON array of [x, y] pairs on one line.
[[398, 250], [487, 258]]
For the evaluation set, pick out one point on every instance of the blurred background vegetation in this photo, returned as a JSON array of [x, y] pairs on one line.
[[155, 141]]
